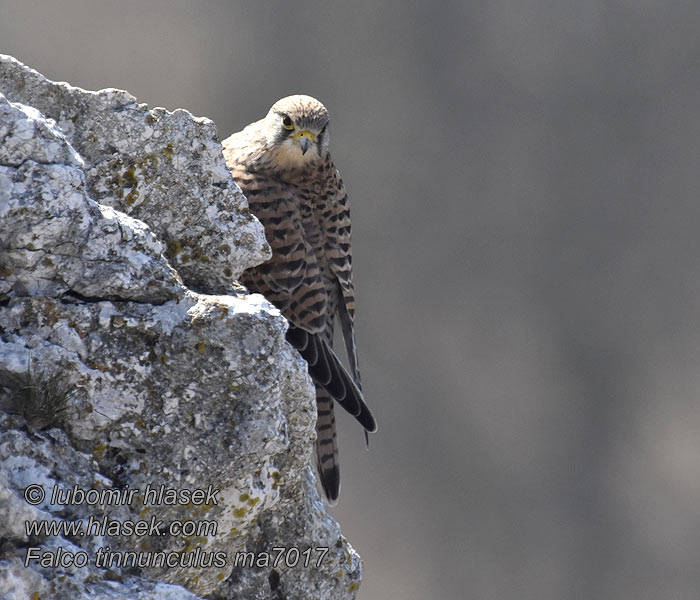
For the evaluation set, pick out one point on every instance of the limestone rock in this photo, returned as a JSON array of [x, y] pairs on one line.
[[56, 239], [121, 371], [164, 168]]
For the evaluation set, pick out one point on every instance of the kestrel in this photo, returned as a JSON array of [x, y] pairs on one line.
[[283, 166]]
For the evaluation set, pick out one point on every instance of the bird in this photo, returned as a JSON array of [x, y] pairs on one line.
[[284, 168]]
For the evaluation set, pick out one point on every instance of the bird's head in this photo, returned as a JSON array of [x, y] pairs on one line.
[[297, 131]]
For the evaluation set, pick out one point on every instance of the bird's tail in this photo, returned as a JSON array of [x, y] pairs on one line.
[[327, 447], [329, 374]]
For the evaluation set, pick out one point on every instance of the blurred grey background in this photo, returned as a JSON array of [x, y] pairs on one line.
[[524, 178]]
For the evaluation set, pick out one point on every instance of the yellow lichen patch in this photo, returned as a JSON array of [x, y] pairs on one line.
[[82, 334], [132, 197], [130, 178], [98, 450], [253, 501], [228, 272], [239, 513], [49, 313], [201, 509], [173, 248], [201, 346], [151, 162], [353, 587], [243, 497]]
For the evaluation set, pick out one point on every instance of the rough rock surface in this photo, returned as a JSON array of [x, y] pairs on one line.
[[164, 168], [119, 368]]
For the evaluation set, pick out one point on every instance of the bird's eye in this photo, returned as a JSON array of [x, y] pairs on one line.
[[287, 123]]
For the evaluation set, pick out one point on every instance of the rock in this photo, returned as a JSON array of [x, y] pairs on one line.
[[56, 239], [164, 168], [125, 379]]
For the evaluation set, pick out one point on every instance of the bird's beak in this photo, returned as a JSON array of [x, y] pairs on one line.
[[305, 139]]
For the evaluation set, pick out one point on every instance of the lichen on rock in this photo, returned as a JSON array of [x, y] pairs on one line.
[[130, 359]]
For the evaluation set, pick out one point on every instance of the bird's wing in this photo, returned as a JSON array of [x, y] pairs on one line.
[[291, 279], [339, 254], [328, 372]]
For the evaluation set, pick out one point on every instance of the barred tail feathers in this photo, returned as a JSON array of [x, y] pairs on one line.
[[327, 447]]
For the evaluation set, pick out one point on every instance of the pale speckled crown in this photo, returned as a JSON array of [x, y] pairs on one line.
[[305, 111]]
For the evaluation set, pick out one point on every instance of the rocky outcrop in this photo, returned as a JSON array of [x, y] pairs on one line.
[[135, 371]]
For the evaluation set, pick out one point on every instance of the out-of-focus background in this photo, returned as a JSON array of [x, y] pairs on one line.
[[525, 180]]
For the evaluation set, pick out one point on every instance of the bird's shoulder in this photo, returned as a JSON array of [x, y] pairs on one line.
[[238, 141], [243, 148]]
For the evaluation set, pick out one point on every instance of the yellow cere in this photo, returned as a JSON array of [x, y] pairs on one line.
[[304, 134]]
